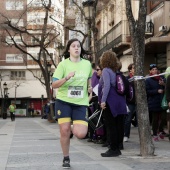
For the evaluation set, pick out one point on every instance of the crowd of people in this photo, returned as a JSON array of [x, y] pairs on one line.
[[83, 89]]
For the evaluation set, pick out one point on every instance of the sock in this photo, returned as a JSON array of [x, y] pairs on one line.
[[66, 158]]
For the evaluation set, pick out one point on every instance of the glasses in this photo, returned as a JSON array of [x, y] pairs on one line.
[[98, 69], [152, 65]]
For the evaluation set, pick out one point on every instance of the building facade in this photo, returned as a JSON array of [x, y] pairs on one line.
[[113, 32], [18, 69]]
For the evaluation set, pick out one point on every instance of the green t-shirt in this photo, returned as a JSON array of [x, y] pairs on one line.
[[12, 108], [75, 89]]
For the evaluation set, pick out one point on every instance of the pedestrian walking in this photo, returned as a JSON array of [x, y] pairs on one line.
[[12, 108], [72, 78], [112, 103]]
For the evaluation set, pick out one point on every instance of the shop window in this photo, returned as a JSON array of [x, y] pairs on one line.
[[17, 75]]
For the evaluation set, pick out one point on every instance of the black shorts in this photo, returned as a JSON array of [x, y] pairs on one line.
[[68, 112]]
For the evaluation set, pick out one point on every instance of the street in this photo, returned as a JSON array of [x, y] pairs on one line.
[[33, 144]]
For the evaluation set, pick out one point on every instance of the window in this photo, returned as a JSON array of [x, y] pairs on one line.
[[17, 75], [36, 19], [17, 39], [14, 58], [38, 3], [17, 22], [36, 40], [71, 3], [14, 5], [34, 54]]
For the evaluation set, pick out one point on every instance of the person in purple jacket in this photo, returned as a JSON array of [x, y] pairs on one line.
[[112, 103]]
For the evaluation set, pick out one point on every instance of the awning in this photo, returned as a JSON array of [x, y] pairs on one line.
[[153, 45]]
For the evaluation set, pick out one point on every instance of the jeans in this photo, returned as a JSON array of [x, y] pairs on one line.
[[128, 119]]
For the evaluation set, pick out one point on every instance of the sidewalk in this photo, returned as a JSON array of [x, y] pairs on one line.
[[33, 144]]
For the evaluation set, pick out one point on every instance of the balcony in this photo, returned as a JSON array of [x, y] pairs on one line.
[[117, 38]]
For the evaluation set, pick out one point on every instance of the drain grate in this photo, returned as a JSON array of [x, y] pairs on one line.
[[3, 134]]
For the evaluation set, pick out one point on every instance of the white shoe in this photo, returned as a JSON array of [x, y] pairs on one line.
[[125, 139]]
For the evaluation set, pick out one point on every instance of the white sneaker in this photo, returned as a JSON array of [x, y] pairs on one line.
[[125, 139]]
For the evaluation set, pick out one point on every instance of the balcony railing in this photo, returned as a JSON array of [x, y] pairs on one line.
[[113, 38]]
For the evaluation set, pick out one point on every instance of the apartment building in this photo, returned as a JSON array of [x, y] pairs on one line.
[[113, 32], [17, 69], [75, 21]]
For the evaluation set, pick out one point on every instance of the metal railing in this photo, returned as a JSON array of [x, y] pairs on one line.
[[113, 37]]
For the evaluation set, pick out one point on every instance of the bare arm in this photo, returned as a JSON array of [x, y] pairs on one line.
[[58, 83]]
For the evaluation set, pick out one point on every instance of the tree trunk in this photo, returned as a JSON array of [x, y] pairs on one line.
[[137, 32]]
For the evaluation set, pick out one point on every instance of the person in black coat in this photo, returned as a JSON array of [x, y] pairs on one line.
[[155, 91], [131, 106], [167, 91]]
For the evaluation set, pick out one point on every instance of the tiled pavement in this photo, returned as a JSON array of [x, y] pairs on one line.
[[33, 144]]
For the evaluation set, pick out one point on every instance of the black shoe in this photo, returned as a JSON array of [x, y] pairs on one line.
[[100, 141], [121, 146], [71, 135], [66, 163], [89, 140], [134, 123], [105, 145], [111, 153]]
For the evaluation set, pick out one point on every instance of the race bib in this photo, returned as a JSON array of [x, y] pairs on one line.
[[75, 91]]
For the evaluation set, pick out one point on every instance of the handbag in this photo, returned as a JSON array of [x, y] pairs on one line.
[[164, 103]]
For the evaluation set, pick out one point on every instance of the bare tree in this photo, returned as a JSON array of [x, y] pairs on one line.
[[137, 31], [42, 36]]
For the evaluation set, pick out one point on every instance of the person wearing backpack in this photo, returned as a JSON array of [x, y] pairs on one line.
[[131, 104], [112, 103]]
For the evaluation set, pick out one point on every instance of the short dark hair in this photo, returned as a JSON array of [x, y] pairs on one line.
[[130, 66], [151, 66]]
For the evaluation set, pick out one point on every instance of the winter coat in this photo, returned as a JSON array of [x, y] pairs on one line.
[[154, 98], [168, 89]]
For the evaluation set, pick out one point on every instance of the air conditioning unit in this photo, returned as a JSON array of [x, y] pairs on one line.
[[163, 28]]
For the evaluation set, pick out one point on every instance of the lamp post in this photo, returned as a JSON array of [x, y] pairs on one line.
[[4, 108], [50, 93], [149, 28], [15, 85], [89, 14], [60, 50]]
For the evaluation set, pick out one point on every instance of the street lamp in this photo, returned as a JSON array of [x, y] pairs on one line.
[[50, 93], [49, 67], [15, 85], [4, 108], [88, 7], [60, 50], [149, 28]]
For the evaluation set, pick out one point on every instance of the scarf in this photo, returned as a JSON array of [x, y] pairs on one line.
[[156, 77]]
